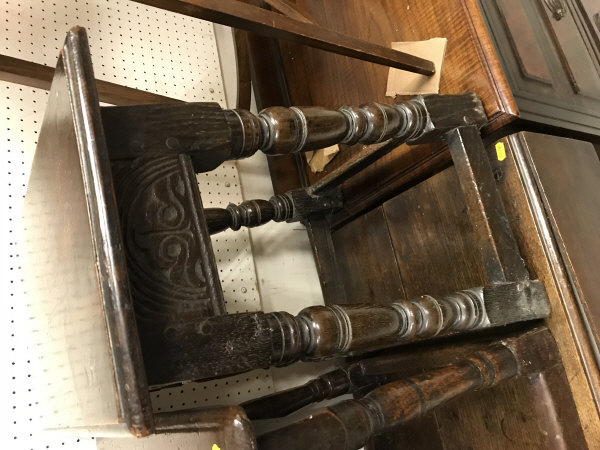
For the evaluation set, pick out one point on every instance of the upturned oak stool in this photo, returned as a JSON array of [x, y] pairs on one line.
[[121, 261]]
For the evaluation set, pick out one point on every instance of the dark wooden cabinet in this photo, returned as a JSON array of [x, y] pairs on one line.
[[550, 54]]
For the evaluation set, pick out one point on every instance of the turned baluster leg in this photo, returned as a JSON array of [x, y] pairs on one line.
[[292, 206], [348, 379], [211, 135], [279, 404], [350, 424], [225, 345]]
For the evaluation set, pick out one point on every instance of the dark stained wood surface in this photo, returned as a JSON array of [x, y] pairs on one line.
[[319, 78], [486, 212], [528, 37], [499, 419], [537, 246], [348, 424], [569, 174], [227, 425], [271, 89], [288, 10], [366, 260], [432, 237], [237, 14], [16, 70], [418, 434], [244, 79], [543, 406], [523, 41], [436, 251]]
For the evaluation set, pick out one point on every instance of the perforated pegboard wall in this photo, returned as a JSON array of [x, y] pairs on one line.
[[147, 49]]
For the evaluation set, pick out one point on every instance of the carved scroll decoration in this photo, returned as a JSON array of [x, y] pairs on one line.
[[163, 254]]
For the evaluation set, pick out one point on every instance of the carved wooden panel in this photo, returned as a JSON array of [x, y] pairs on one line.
[[170, 262], [164, 247]]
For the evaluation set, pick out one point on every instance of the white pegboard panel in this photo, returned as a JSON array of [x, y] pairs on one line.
[[131, 44], [226, 391], [143, 48]]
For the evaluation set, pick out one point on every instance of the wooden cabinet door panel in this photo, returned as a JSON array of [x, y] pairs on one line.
[[529, 55], [579, 63], [531, 43]]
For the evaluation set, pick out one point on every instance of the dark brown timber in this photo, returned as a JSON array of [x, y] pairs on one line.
[[496, 240], [229, 344], [211, 135], [35, 75], [350, 424], [237, 14]]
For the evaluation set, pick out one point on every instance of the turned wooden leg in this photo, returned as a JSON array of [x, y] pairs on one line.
[[211, 135], [279, 404], [229, 344], [293, 206], [350, 424], [348, 379]]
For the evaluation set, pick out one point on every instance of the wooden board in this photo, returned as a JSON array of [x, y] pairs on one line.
[[537, 246], [494, 419], [19, 71], [572, 199], [436, 252], [238, 14], [319, 78], [432, 237], [366, 260]]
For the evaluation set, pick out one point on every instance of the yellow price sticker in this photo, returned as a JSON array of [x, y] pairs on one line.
[[215, 447], [500, 151]]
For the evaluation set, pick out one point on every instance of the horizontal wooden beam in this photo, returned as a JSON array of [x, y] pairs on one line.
[[35, 75], [237, 14]]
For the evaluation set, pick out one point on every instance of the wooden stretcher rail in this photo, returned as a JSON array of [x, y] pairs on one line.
[[35, 75], [237, 14]]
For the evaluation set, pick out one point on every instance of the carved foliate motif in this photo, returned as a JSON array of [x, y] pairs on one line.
[[164, 257]]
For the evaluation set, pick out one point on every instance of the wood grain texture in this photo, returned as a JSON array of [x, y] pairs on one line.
[[288, 10], [437, 250], [576, 57], [492, 420], [35, 75], [534, 237], [568, 105], [349, 424], [485, 208], [572, 201], [237, 14], [511, 409], [366, 260], [470, 66], [523, 41], [244, 78], [433, 239], [271, 89]]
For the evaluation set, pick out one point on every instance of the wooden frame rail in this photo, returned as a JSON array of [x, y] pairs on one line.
[[241, 15], [35, 75]]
